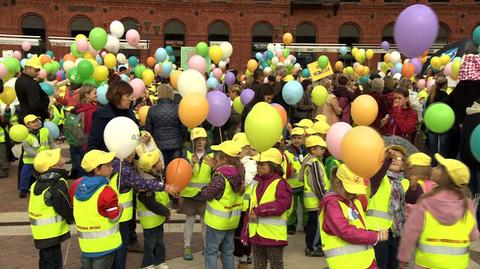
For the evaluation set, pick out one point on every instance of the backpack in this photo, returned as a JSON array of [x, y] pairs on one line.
[[73, 129]]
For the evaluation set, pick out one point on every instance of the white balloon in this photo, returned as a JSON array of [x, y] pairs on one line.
[[67, 65], [287, 62], [275, 60], [267, 71], [278, 47], [227, 61], [113, 44], [222, 65], [117, 29], [77, 61], [191, 81], [174, 67], [11, 83], [395, 57], [297, 67], [271, 47], [121, 135], [227, 50], [121, 58]]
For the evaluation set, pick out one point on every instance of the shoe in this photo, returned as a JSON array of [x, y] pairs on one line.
[[187, 254], [136, 247], [23, 194], [314, 253], [162, 266]]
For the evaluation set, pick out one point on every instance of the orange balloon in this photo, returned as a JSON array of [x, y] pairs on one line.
[[408, 70], [363, 151], [45, 59], [364, 110], [282, 112], [339, 66], [359, 69], [179, 173], [252, 65], [387, 58], [151, 61], [287, 38], [174, 75], [142, 114], [69, 57], [366, 70], [193, 110]]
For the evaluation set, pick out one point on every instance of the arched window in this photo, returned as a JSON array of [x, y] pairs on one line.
[[442, 36], [349, 34], [262, 35], [387, 34], [35, 25], [80, 25], [174, 36], [305, 33], [218, 31]]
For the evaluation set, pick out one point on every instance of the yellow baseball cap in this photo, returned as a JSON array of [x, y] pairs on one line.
[[420, 159], [96, 157], [229, 147], [305, 123], [458, 171], [321, 117], [422, 94], [315, 140], [30, 118], [319, 127], [34, 62], [197, 133], [148, 160], [46, 159], [297, 131], [351, 182], [270, 155], [288, 78], [241, 139]]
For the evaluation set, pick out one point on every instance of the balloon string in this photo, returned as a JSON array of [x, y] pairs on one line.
[[220, 131], [119, 176], [438, 144]]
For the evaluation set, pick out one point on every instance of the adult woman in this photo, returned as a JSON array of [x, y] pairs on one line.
[[402, 119], [265, 94], [305, 108], [164, 124], [119, 96], [382, 103]]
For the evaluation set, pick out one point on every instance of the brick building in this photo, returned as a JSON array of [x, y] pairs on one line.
[[248, 24]]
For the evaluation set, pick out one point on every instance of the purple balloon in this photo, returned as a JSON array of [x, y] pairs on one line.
[[415, 30], [385, 45], [417, 64], [229, 79], [247, 96], [219, 108], [220, 87]]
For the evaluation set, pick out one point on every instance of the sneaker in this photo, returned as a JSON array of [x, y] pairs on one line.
[[162, 266], [23, 194], [314, 253], [187, 254]]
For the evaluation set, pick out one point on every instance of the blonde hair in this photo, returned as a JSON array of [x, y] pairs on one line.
[[422, 172], [84, 91], [165, 91]]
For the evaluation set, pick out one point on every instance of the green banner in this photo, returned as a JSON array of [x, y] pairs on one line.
[[186, 53]]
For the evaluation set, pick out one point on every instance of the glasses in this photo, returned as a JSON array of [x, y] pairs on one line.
[[398, 158]]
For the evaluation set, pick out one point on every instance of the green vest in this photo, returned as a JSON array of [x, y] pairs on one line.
[[310, 199], [378, 216], [38, 145], [201, 177], [274, 227], [339, 253], [297, 165], [124, 199], [45, 222], [95, 232], [148, 219], [224, 214]]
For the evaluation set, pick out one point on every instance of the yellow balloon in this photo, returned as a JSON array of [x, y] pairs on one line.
[[444, 59], [174, 75], [435, 62], [110, 60], [142, 114], [93, 62], [100, 73], [148, 76], [80, 36], [338, 66], [287, 38], [215, 53], [387, 58], [252, 65], [8, 95], [366, 70], [369, 53], [87, 55], [354, 51], [359, 69]]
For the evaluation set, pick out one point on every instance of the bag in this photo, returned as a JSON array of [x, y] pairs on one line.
[[73, 129]]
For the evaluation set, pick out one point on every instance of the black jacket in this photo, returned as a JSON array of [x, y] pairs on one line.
[[56, 196], [148, 199], [33, 100]]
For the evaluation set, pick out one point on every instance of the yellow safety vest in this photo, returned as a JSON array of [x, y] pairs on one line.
[[2, 135], [246, 197], [124, 199], [274, 227], [148, 219], [444, 247], [224, 214], [45, 222], [95, 232], [310, 199], [339, 253], [201, 177], [58, 116], [297, 165], [378, 216], [38, 145]]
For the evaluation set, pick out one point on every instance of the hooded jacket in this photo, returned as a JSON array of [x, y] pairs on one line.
[[88, 109]]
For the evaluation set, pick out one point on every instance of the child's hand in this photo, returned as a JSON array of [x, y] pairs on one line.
[[252, 215], [209, 161], [171, 189], [382, 235], [195, 159]]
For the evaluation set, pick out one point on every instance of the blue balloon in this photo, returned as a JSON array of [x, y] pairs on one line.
[[161, 55], [166, 68], [259, 56], [49, 53], [292, 92], [172, 59], [212, 83], [23, 62], [53, 131], [99, 59], [29, 55], [363, 79], [398, 67], [305, 73], [47, 88], [132, 61], [343, 50], [269, 55], [124, 78], [102, 94], [169, 50]]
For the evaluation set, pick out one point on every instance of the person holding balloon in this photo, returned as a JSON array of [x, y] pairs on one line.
[[402, 118], [264, 93]]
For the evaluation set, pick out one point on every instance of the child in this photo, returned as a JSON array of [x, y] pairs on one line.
[[192, 203], [305, 123], [97, 211], [4, 165], [342, 224], [224, 205], [295, 153], [152, 211], [49, 208], [442, 224], [315, 185], [37, 141], [319, 128], [270, 206]]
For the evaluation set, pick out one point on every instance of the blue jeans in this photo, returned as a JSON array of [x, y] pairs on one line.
[[312, 235], [216, 241], [120, 261], [50, 258], [26, 175], [153, 246], [76, 155], [439, 143]]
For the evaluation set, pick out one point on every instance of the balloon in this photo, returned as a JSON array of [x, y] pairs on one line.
[[212, 83], [17, 54], [246, 96], [369, 54], [349, 71], [102, 94], [100, 73], [151, 61], [292, 92], [198, 63], [148, 76], [191, 81], [319, 95], [125, 78], [287, 38], [363, 80], [215, 53], [338, 66], [174, 76], [98, 38], [133, 37], [113, 44], [387, 57], [138, 86], [201, 49], [252, 65], [166, 68], [444, 59], [121, 58], [67, 65], [305, 73], [408, 70], [8, 95], [366, 71], [421, 83], [18, 133], [142, 114], [117, 29], [475, 142], [42, 74], [229, 79], [161, 54], [335, 136], [281, 111], [12, 64], [110, 60], [227, 50], [455, 67], [385, 45], [179, 173], [82, 45], [217, 73], [47, 88], [138, 70], [343, 50], [267, 71], [322, 61], [364, 110], [263, 126], [219, 108], [356, 143], [358, 69], [26, 45], [447, 70], [395, 57], [3, 71], [439, 117], [121, 135], [193, 109], [132, 61], [476, 35], [237, 105], [222, 65], [53, 131], [430, 83], [435, 62], [85, 69], [415, 30], [417, 64]]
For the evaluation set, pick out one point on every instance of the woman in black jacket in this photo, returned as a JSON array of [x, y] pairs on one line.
[[265, 93]]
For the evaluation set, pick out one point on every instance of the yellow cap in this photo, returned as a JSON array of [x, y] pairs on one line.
[[315, 140], [305, 123], [319, 127], [422, 94], [30, 118], [148, 160], [241, 139], [458, 171], [351, 182], [297, 131], [46, 159], [228, 147], [399, 148], [321, 117], [96, 157], [34, 62], [420, 159], [270, 155], [197, 133], [288, 78]]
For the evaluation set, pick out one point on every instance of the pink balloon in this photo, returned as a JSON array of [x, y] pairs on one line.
[[103, 54], [212, 66], [138, 87], [430, 83], [198, 63], [157, 69], [447, 70], [217, 73], [26, 45], [278, 53], [3, 71], [42, 74], [82, 45], [17, 54], [133, 37], [335, 136], [421, 84], [91, 50]]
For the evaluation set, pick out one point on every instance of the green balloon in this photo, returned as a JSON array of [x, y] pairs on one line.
[[139, 70], [72, 75], [97, 38], [319, 95], [201, 49], [322, 61], [263, 126], [56, 66], [18, 133], [85, 69], [237, 105], [48, 67], [286, 52], [74, 51], [439, 117], [12, 64]]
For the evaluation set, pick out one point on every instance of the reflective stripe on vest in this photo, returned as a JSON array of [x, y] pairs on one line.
[[442, 250], [274, 221], [46, 221], [345, 250], [223, 214], [201, 177], [126, 204], [42, 143], [197, 185], [124, 199], [99, 234], [379, 214], [297, 165], [149, 219]]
